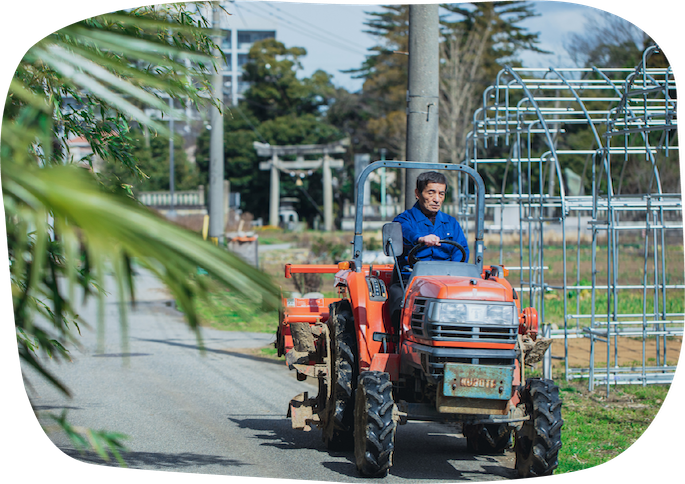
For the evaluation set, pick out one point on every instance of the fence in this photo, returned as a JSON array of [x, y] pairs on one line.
[[187, 198], [629, 117]]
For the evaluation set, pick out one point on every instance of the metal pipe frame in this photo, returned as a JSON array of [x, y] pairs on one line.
[[520, 111]]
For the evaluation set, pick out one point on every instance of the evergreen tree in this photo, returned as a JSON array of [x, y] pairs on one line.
[[279, 109], [505, 38], [152, 172], [476, 40], [610, 41]]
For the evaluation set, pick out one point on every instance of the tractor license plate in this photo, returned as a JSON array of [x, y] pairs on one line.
[[477, 381]]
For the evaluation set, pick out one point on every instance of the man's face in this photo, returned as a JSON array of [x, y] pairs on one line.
[[431, 198]]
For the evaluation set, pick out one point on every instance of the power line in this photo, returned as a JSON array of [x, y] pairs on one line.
[[347, 41], [300, 30]]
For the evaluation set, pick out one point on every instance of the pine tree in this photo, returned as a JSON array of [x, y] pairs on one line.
[[476, 40]]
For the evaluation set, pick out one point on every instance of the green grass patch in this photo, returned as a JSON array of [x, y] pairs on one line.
[[597, 429], [230, 312], [269, 240], [269, 352]]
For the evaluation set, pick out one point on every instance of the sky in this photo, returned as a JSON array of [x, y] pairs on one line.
[[334, 36]]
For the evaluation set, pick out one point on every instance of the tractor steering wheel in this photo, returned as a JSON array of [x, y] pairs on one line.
[[412, 259]]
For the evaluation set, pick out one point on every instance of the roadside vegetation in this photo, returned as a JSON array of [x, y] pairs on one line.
[[597, 428]]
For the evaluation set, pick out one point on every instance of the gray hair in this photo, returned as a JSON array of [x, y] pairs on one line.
[[429, 177]]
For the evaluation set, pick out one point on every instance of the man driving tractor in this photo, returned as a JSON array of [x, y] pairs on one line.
[[425, 224]]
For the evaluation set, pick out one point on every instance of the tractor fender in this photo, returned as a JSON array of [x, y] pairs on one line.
[[368, 316], [387, 363]]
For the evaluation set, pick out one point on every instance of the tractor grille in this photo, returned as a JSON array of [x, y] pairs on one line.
[[434, 364], [418, 315], [439, 331]]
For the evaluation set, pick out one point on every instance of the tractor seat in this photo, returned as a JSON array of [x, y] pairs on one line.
[[443, 268]]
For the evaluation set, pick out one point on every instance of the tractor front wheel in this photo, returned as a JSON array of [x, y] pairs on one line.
[[342, 350], [374, 427], [539, 440]]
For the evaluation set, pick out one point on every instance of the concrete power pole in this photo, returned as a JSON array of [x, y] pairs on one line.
[[216, 146], [422, 91]]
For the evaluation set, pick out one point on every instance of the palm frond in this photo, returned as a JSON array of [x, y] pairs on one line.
[[61, 223]]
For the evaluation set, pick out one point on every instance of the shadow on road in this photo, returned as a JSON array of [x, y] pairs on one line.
[[154, 459], [428, 453], [201, 349], [278, 432], [420, 453]]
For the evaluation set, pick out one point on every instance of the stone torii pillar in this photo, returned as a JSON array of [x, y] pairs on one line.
[[276, 165], [274, 199]]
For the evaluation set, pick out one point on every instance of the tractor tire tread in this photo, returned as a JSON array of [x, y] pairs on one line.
[[338, 433], [539, 441], [374, 424]]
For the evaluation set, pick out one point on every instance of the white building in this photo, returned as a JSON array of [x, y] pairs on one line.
[[241, 29]]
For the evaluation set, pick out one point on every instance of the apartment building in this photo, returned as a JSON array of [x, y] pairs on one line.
[[240, 30]]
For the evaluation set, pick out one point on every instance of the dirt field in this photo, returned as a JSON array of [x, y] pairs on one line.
[[629, 352]]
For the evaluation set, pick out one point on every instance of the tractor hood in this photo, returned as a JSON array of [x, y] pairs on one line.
[[459, 287]]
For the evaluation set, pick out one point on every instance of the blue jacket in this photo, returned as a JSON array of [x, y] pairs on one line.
[[415, 224]]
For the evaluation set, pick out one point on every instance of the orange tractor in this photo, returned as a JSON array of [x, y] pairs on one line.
[[458, 354]]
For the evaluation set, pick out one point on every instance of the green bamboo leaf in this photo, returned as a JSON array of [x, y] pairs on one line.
[[147, 23], [141, 77], [38, 260], [20, 91], [70, 243], [103, 75], [28, 357], [121, 278], [131, 46], [169, 252], [96, 444], [83, 81]]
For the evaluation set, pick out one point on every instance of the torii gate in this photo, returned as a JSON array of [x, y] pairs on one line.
[[300, 151]]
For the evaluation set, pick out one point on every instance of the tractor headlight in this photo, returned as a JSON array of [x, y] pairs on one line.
[[473, 313]]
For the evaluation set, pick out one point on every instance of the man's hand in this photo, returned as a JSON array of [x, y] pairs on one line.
[[430, 240]]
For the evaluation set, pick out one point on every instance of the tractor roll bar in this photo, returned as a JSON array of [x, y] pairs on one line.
[[480, 202]]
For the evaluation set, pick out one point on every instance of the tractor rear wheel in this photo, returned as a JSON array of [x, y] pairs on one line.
[[539, 440], [487, 438], [374, 427], [339, 413]]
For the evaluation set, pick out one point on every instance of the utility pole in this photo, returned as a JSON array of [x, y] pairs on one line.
[[422, 92], [172, 207], [216, 146], [383, 186]]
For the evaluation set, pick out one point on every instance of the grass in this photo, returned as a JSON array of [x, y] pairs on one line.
[[597, 429], [230, 312]]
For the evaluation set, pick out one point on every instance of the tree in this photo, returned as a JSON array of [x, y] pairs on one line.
[[91, 79], [477, 39], [153, 162], [385, 74], [461, 56], [505, 38], [610, 41], [279, 109]]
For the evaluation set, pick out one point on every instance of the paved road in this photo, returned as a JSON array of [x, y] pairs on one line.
[[222, 412]]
